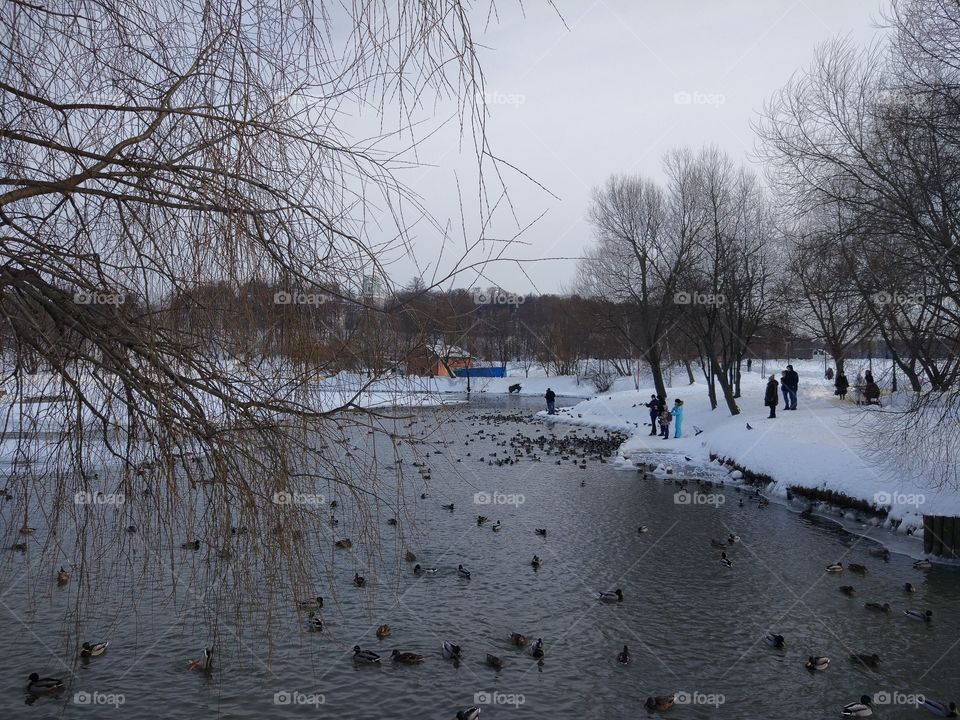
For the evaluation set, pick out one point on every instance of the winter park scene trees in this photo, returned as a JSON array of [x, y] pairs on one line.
[[448, 359]]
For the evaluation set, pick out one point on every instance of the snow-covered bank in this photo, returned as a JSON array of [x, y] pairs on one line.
[[820, 445]]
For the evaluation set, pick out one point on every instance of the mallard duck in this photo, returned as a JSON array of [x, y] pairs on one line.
[[409, 557], [359, 580], [497, 526], [774, 640], [494, 662], [877, 607], [848, 590], [317, 602], [922, 564], [40, 685], [731, 538], [939, 709], [93, 649], [131, 529], [407, 658], [451, 651], [19, 547], [364, 656], [448, 507], [817, 663], [909, 587], [724, 560], [858, 709], [643, 529], [344, 544], [537, 649], [27, 530], [541, 532], [835, 567], [471, 713], [314, 622], [191, 545], [392, 521], [880, 552], [334, 503], [922, 615], [870, 661], [624, 655], [384, 631], [518, 639], [62, 577], [610, 596], [659, 702], [856, 568], [463, 572], [536, 562], [481, 519]]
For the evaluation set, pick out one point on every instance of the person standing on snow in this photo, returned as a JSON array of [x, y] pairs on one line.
[[783, 389], [677, 413], [654, 407], [551, 398], [770, 398], [842, 384], [665, 418], [791, 383]]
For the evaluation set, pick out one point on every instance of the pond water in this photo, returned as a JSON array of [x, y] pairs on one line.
[[693, 626]]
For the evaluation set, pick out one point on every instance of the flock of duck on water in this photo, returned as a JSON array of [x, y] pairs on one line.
[[599, 448]]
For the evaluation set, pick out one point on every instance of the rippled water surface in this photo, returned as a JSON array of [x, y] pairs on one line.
[[692, 625]]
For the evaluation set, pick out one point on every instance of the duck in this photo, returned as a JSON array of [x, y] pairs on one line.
[[877, 607], [407, 658], [451, 651], [38, 685], [909, 587], [494, 662], [93, 649], [344, 544], [463, 572], [448, 507], [317, 602], [724, 560], [384, 631], [642, 530], [537, 649], [471, 713], [392, 521], [610, 596], [858, 709], [497, 526], [19, 546], [364, 656], [848, 590], [774, 640], [835, 567], [27, 530], [624, 655], [518, 639], [922, 615], [191, 545], [62, 577], [922, 564], [870, 661], [817, 663], [419, 570], [659, 702], [206, 664], [314, 623], [410, 557], [856, 568], [939, 709], [481, 519], [536, 562], [731, 538], [542, 532], [359, 580], [880, 552]]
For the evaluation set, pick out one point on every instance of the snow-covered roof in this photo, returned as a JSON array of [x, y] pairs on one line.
[[442, 350]]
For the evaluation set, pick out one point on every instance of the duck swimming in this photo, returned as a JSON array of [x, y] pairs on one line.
[[317, 602], [39, 685], [364, 656], [624, 656], [848, 590], [314, 623], [858, 709], [817, 663], [774, 640], [856, 568], [518, 639], [359, 580], [922, 564], [384, 631], [344, 544], [463, 572], [939, 709], [407, 658], [909, 587], [93, 649], [536, 562], [537, 649], [724, 560], [609, 596], [494, 662], [659, 702], [922, 615], [835, 567], [451, 651], [877, 607], [471, 713]]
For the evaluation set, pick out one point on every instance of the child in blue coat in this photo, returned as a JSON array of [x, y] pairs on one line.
[[677, 413]]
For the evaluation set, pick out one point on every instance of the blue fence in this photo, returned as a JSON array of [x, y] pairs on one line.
[[495, 371]]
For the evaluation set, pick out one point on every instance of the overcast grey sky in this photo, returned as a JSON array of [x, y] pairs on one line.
[[611, 92]]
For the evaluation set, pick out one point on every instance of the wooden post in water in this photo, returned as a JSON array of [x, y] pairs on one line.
[[941, 536]]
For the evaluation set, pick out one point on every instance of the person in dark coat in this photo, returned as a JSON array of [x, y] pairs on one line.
[[655, 408], [665, 418], [791, 383], [551, 398], [868, 377], [842, 384], [771, 397], [783, 389], [871, 393]]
